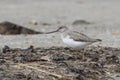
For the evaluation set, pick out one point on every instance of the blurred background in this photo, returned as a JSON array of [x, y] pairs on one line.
[[95, 18]]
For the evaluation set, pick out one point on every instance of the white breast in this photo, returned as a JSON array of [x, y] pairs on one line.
[[74, 44]]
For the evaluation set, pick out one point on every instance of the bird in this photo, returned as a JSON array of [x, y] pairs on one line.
[[75, 39]]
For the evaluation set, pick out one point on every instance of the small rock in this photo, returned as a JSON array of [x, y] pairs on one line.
[[45, 24], [33, 22], [80, 22]]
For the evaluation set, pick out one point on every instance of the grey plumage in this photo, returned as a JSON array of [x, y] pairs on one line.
[[77, 36]]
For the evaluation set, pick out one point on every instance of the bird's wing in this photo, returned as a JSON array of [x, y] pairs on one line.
[[77, 36]]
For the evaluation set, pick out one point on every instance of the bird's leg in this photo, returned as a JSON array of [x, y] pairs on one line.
[[83, 56], [76, 53]]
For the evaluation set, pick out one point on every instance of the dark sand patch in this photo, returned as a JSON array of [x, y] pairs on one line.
[[59, 63]]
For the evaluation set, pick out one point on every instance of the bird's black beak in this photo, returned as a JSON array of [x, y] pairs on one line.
[[51, 32]]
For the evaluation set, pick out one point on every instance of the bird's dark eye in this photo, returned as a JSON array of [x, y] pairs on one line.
[[60, 28]]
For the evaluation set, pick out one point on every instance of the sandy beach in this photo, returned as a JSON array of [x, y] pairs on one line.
[[100, 19]]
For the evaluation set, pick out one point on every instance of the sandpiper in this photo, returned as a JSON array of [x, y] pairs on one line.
[[74, 39]]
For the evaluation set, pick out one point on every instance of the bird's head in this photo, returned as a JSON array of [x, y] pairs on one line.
[[62, 29]]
